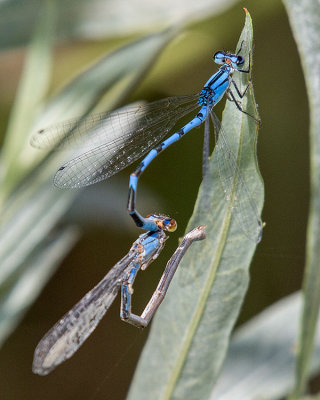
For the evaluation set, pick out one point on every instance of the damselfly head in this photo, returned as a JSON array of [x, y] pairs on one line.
[[221, 57], [164, 222]]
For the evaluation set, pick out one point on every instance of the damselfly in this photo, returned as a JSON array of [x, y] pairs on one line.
[[69, 333]]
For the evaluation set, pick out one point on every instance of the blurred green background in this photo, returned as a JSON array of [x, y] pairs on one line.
[[105, 364]]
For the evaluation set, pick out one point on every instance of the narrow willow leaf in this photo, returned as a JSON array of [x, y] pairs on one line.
[[304, 17], [32, 88], [190, 333], [29, 227], [123, 67], [79, 19], [18, 296], [261, 357]]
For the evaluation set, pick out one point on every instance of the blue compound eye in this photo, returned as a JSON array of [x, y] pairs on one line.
[[219, 57]]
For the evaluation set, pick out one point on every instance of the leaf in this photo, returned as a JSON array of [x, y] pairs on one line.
[[97, 19], [261, 357], [20, 293], [304, 17], [30, 226], [32, 88], [190, 333], [117, 72]]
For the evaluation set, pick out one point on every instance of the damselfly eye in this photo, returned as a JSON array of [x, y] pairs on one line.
[[219, 57]]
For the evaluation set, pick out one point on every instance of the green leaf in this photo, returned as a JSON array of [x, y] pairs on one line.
[[32, 88], [190, 333], [82, 20], [304, 17], [111, 79], [261, 357], [30, 226], [19, 293]]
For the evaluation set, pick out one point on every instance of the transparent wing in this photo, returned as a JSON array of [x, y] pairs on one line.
[[234, 186], [68, 334], [109, 143]]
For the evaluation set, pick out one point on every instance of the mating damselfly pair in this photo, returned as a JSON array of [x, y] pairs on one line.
[[114, 141]]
